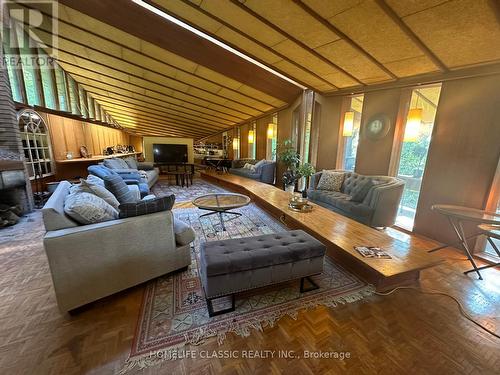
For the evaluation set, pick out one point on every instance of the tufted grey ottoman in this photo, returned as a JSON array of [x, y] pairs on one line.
[[231, 266]]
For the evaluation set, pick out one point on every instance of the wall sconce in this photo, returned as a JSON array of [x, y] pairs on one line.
[[236, 143], [348, 124], [413, 123], [270, 131], [251, 136]]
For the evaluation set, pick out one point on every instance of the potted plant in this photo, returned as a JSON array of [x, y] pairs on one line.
[[287, 155], [290, 158], [305, 170]]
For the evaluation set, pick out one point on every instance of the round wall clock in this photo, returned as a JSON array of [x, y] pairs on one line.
[[377, 127]]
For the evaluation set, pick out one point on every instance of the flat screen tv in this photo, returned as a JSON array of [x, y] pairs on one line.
[[165, 153]]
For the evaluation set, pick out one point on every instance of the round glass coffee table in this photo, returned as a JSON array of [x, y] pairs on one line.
[[221, 203]]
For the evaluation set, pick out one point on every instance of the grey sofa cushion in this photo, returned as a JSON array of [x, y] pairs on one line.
[[87, 208], [147, 206], [241, 254], [116, 163], [131, 162], [358, 193], [184, 234], [119, 188]]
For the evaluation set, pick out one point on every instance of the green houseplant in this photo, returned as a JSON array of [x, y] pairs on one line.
[[287, 154]]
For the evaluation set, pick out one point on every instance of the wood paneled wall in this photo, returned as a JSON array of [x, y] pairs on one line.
[[244, 141], [261, 136], [136, 141], [374, 156], [329, 125], [69, 135], [463, 154]]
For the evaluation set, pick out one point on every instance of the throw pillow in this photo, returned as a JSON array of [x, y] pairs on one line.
[[361, 190], [119, 189], [184, 234], [116, 163], [95, 180], [86, 208], [100, 191], [330, 180], [147, 206], [248, 166], [260, 164], [131, 162]]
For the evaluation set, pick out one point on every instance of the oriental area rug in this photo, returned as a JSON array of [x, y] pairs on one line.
[[174, 313]]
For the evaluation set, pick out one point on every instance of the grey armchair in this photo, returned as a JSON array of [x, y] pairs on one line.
[[378, 208]]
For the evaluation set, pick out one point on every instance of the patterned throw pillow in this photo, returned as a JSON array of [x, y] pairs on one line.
[[331, 181], [119, 189], [147, 206], [86, 208], [96, 189], [95, 180]]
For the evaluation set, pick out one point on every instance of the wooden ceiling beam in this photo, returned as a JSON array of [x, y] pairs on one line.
[[139, 22], [153, 115], [158, 99], [171, 131], [296, 41], [147, 109], [163, 127], [346, 38], [99, 92], [73, 73], [409, 32], [182, 125], [249, 37]]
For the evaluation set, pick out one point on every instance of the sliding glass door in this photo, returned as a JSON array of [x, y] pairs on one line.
[[414, 149]]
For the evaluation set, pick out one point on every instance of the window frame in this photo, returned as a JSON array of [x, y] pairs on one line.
[[346, 106]]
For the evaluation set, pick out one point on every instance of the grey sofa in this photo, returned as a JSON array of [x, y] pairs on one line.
[[264, 173], [131, 165], [88, 262], [379, 207]]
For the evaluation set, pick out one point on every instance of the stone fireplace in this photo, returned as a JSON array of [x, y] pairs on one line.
[[15, 187]]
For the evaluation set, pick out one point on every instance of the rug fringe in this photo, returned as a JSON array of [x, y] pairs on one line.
[[244, 329]]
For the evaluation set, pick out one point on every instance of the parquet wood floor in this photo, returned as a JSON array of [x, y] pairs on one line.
[[404, 333]]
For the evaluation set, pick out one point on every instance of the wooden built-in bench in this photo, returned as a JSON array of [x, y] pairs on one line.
[[340, 234]]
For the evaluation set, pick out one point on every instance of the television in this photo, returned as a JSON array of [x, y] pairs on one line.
[[166, 153]]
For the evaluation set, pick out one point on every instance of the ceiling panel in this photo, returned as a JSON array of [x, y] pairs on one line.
[[473, 25]]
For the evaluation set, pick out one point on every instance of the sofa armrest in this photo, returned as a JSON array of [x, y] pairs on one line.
[[267, 173], [384, 200], [145, 166], [92, 261], [313, 180]]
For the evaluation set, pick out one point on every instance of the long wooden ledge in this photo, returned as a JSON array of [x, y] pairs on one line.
[[340, 234]]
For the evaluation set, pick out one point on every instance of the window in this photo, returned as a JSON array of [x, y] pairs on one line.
[[350, 126], [83, 101], [48, 85], [74, 99], [236, 143], [13, 69], [252, 140], [90, 106], [36, 144], [415, 146], [29, 69], [62, 91], [272, 137]]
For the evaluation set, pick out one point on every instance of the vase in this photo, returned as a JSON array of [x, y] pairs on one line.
[[290, 188]]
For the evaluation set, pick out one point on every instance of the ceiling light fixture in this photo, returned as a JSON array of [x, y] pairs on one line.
[[168, 17]]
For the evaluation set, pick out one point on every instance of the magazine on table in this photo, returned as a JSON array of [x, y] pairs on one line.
[[372, 252]]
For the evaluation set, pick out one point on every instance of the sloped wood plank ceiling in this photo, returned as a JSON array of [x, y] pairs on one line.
[[148, 89], [334, 44], [326, 45]]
